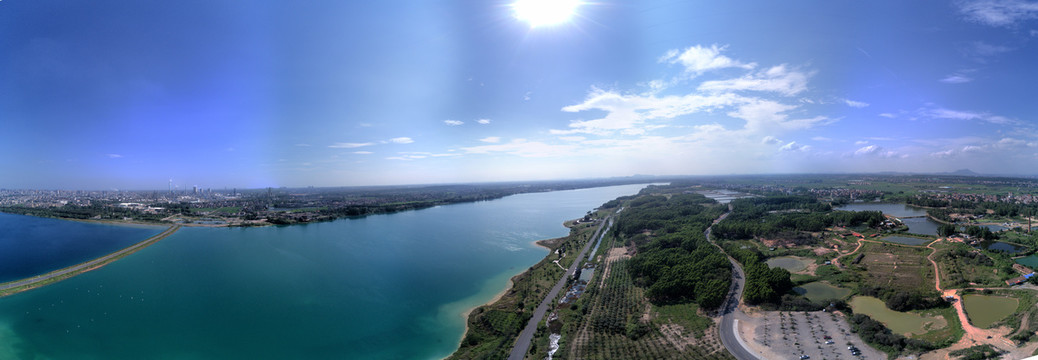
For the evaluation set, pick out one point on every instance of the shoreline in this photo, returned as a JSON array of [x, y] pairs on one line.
[[33, 282], [465, 314], [501, 294]]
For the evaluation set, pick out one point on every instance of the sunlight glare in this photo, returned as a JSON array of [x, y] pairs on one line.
[[544, 12]]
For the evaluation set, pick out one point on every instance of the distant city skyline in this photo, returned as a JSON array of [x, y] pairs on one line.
[[114, 95]]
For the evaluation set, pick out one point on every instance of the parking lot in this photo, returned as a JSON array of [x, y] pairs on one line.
[[791, 335]]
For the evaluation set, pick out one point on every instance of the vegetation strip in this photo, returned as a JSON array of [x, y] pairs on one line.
[[17, 286]]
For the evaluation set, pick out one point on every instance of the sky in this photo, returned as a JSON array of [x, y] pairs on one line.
[[130, 95]]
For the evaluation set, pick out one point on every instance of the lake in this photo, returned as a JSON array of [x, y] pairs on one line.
[[985, 311], [922, 226], [32, 245], [380, 287]]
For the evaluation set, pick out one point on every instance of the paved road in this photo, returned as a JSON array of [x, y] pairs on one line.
[[729, 332], [522, 344], [90, 264]]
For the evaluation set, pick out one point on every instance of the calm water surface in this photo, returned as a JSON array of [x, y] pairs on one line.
[[381, 287], [922, 226], [32, 245]]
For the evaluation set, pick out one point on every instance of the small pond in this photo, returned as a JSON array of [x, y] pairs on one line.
[[791, 263], [1005, 247], [898, 322], [1030, 261], [984, 310], [819, 291]]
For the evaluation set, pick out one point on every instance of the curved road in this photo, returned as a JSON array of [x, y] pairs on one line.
[[729, 331], [31, 282], [522, 344]]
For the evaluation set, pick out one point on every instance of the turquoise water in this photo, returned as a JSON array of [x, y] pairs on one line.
[[381, 287], [32, 245]]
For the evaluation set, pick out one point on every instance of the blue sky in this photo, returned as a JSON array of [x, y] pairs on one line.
[[106, 94]]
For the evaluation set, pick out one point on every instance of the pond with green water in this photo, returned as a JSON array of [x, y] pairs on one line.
[[984, 310], [791, 263], [898, 322], [820, 291]]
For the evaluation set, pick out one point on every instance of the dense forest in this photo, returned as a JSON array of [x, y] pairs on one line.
[[674, 262]]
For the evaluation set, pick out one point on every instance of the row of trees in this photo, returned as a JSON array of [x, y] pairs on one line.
[[764, 284]]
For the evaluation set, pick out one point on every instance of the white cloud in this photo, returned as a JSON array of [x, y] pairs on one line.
[[878, 151], [483, 121], [972, 148], [861, 142], [342, 145], [770, 140], [855, 104], [401, 140], [888, 115], [770, 115], [943, 154], [363, 152], [792, 146], [821, 138], [698, 59], [113, 156], [491, 139], [956, 79], [1004, 13], [526, 96], [303, 145], [453, 122], [778, 79], [572, 138], [868, 150], [628, 113]]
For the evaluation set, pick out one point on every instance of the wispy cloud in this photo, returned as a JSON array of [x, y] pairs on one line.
[[453, 122], [777, 79], [523, 148], [113, 156], [363, 152], [999, 13], [956, 79], [401, 140], [698, 59], [770, 140], [303, 145], [855, 104], [491, 139], [944, 113], [483, 121], [888, 115], [345, 145]]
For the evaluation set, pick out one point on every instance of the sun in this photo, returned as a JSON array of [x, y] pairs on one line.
[[540, 13]]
